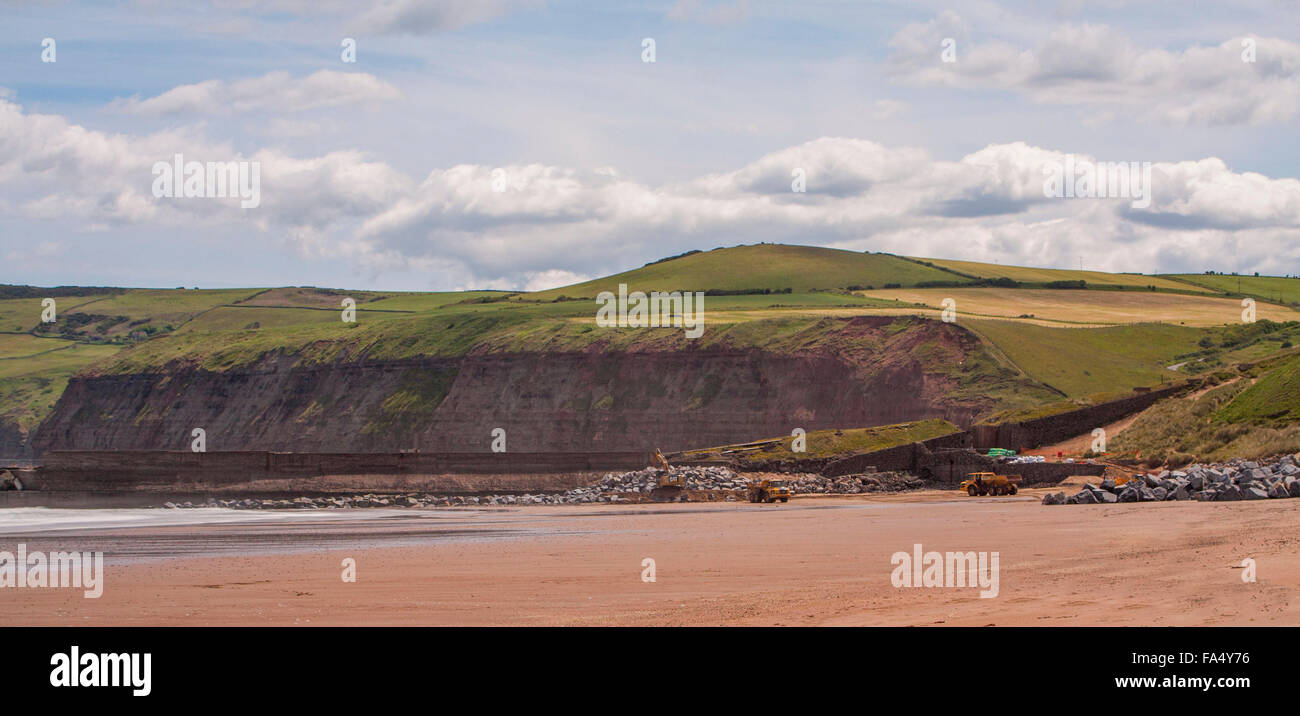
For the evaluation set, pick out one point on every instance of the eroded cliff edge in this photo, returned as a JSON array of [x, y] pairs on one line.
[[670, 394]]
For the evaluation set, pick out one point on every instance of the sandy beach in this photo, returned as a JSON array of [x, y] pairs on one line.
[[814, 561]]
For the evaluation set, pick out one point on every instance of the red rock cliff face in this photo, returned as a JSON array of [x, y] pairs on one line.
[[13, 441], [583, 401]]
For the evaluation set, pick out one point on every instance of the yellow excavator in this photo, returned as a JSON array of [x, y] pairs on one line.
[[670, 483]]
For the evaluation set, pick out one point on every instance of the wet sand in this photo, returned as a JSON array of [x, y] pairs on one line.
[[815, 561]]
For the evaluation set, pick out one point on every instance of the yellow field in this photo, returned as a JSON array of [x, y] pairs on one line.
[[1043, 307], [1087, 307], [1027, 274]]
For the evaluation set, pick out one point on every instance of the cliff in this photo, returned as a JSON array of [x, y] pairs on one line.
[[853, 372]]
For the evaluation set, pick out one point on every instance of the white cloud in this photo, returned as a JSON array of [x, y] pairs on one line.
[[276, 91], [715, 13], [421, 17], [1097, 66], [552, 225], [551, 278], [883, 109]]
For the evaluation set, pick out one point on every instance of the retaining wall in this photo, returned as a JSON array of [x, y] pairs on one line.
[[305, 473], [1055, 428]]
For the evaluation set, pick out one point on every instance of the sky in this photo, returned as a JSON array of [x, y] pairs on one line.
[[528, 144]]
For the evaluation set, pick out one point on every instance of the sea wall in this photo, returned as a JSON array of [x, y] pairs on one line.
[[308, 473]]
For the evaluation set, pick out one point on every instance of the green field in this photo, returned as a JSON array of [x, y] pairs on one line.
[[1276, 289], [30, 385], [1025, 274]]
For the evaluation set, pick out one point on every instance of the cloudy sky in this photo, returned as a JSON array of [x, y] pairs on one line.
[[528, 144]]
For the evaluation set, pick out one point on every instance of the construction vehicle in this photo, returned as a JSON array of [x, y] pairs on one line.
[[769, 491], [670, 483], [988, 483]]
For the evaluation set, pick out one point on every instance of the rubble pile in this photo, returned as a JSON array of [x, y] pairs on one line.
[[855, 484], [1236, 480]]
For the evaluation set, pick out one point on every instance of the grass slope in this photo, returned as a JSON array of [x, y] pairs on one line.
[[830, 443], [1219, 424], [773, 266], [1083, 361], [1274, 399]]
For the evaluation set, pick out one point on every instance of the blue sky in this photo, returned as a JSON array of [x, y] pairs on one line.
[[378, 174]]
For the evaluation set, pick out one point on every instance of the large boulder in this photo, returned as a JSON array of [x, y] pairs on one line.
[[1129, 494], [1158, 494], [1054, 498], [1278, 490], [1108, 498], [1293, 487], [1229, 493], [1108, 485], [1255, 493], [7, 480], [1086, 497], [1196, 482]]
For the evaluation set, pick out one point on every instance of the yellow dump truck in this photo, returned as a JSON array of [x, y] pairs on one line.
[[769, 491], [988, 483]]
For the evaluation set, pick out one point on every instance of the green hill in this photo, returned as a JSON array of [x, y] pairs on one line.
[[763, 266]]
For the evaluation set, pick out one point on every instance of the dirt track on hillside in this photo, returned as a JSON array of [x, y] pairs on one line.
[[815, 561]]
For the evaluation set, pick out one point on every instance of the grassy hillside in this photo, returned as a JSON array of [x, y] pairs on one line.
[[34, 372], [1081, 362], [1274, 399], [1219, 424], [828, 443], [762, 266]]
